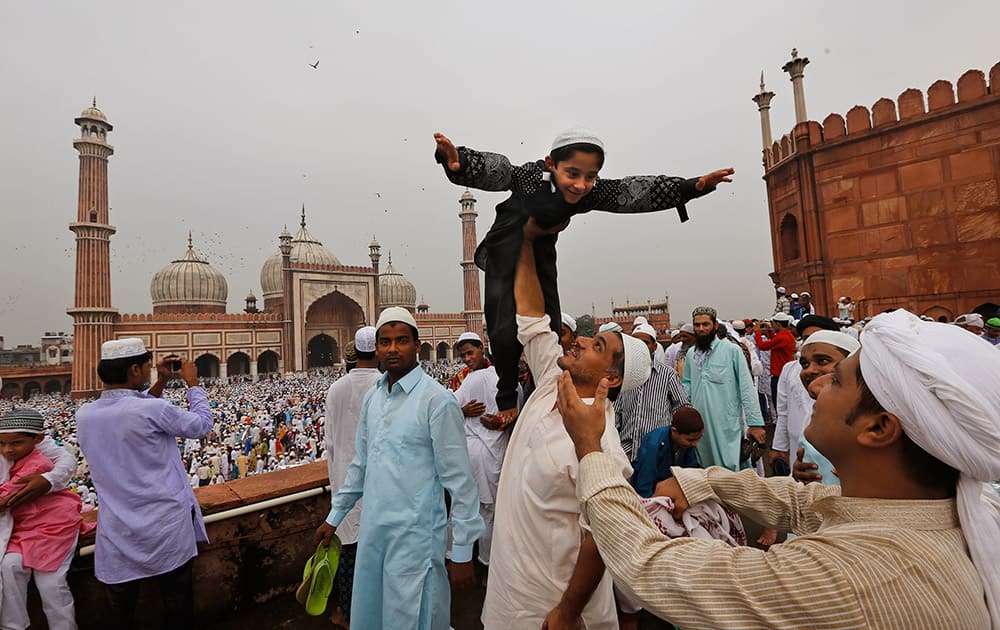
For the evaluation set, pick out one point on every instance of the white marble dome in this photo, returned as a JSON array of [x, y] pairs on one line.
[[394, 289], [189, 281], [305, 249]]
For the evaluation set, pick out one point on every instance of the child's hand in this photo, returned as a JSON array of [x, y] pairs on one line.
[[448, 150], [714, 178]]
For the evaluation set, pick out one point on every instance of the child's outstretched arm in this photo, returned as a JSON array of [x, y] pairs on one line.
[[651, 193], [483, 170]]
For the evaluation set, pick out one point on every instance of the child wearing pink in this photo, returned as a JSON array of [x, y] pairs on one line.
[[44, 535]]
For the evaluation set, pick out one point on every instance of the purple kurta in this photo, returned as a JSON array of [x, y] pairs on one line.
[[149, 521]]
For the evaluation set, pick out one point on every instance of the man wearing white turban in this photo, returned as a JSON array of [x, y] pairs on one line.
[[909, 540]]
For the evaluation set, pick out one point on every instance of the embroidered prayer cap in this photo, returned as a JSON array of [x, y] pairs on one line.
[[688, 328], [738, 324], [568, 320], [610, 327], [836, 339], [639, 320], [782, 317], [364, 339], [22, 421], [970, 319], [780, 290], [941, 383], [704, 310], [993, 322], [469, 336], [395, 314], [122, 349], [350, 352], [576, 135], [645, 329], [638, 363]]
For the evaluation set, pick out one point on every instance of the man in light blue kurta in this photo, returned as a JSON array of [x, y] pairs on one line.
[[411, 448], [720, 386]]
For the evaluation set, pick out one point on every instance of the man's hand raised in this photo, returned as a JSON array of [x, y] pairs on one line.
[[448, 152], [584, 423], [714, 178]]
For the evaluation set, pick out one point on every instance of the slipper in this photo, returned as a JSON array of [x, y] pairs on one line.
[[321, 587], [302, 592], [333, 553]]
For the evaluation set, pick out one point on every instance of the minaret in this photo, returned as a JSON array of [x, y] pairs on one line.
[[289, 360], [473, 309], [795, 69], [92, 313], [763, 100], [375, 254]]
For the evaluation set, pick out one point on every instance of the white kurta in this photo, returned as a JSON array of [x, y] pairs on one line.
[[343, 413], [794, 408], [538, 525], [486, 446]]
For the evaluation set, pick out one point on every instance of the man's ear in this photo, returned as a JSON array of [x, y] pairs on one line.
[[614, 379], [878, 430]]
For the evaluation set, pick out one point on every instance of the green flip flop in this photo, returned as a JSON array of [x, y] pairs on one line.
[[302, 592], [321, 586], [333, 553]]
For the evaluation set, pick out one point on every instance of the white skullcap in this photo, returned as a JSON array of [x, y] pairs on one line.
[[645, 329], [941, 383], [364, 339], [569, 321], [781, 317], [781, 290], [609, 327], [468, 336], [841, 299], [576, 135], [795, 296], [122, 348], [739, 324], [639, 320], [804, 294], [395, 314], [638, 363], [688, 328], [845, 342], [970, 319]]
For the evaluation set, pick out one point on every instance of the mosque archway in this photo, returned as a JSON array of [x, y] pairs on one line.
[[267, 362], [238, 364], [10, 390], [442, 351], [323, 351], [789, 233], [937, 312], [425, 352], [337, 317], [30, 389], [53, 387], [208, 366]]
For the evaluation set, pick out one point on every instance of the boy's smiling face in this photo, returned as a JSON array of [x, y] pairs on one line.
[[576, 175]]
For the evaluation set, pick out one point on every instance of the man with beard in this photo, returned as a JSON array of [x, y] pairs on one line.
[[792, 403], [546, 570], [720, 386]]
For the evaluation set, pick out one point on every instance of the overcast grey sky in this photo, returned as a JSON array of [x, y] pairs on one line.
[[223, 129]]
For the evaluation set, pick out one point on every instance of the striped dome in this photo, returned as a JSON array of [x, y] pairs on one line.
[[189, 281]]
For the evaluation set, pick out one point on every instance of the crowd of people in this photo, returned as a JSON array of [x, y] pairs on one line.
[[581, 479]]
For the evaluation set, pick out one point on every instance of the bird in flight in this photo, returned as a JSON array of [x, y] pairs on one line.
[[314, 66]]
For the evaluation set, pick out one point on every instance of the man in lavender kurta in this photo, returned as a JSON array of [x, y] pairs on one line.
[[149, 522]]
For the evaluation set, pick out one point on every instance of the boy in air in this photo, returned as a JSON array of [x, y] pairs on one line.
[[549, 191]]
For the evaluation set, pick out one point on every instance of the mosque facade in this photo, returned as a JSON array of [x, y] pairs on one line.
[[310, 306]]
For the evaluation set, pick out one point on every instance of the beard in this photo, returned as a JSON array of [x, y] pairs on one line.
[[705, 342]]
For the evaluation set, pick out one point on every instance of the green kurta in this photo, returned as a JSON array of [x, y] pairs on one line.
[[722, 390]]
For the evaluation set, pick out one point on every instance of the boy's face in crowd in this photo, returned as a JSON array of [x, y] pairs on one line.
[[575, 176], [685, 440], [472, 355], [396, 348], [649, 341], [14, 446], [591, 359], [818, 359]]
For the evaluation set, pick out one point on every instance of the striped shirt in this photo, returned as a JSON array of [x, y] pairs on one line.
[[651, 406], [858, 563]]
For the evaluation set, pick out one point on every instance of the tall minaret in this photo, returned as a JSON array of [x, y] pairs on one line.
[[796, 70], [763, 100], [473, 309], [92, 313], [375, 254]]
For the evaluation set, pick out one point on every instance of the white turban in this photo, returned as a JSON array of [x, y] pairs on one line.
[[941, 382], [638, 363]]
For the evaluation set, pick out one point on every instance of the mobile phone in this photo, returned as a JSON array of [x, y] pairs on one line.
[[175, 365]]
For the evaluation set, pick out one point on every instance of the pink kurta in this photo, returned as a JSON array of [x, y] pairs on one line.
[[44, 529]]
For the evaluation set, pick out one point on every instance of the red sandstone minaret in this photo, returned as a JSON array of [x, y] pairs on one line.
[[92, 313], [473, 309]]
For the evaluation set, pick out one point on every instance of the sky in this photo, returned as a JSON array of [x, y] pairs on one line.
[[223, 129]]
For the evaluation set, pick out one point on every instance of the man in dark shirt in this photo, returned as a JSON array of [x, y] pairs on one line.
[[672, 445]]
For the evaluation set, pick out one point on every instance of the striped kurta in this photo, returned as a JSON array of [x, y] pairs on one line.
[[648, 407], [857, 563]]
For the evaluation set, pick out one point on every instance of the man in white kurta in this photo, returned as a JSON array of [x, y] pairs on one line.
[[486, 448], [793, 409]]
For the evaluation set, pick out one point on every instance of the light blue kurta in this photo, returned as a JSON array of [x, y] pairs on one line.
[[825, 466], [722, 390], [410, 447]]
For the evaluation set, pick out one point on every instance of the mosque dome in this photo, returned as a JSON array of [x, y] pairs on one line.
[[305, 249], [94, 114], [189, 284], [394, 289]]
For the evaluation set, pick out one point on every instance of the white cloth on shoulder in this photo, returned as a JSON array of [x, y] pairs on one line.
[[944, 386]]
